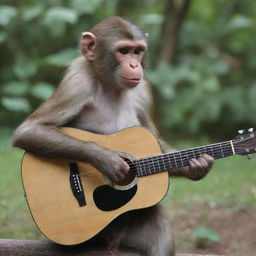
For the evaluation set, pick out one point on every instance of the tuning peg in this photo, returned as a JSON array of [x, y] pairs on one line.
[[250, 130], [241, 131]]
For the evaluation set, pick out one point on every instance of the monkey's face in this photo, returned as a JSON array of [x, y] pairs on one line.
[[129, 55]]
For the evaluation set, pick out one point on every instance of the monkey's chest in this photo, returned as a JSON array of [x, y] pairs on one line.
[[106, 119]]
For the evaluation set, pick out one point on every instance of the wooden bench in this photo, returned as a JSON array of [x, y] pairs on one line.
[[13, 247]]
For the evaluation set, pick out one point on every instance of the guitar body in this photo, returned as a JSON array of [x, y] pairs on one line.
[[56, 210]]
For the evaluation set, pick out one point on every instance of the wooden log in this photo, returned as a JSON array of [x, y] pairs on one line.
[[12, 247]]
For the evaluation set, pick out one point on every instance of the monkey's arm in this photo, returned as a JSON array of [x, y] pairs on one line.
[[198, 167], [40, 133]]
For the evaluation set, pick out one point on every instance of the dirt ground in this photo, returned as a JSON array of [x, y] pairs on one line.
[[236, 227]]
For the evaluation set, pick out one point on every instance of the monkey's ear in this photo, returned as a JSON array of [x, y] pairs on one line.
[[87, 45]]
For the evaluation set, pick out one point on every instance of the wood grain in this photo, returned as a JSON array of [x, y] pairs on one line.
[[50, 199], [13, 247]]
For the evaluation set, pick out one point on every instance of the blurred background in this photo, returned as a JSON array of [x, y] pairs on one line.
[[201, 66]]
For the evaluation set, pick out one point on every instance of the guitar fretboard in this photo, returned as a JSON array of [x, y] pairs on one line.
[[160, 163]]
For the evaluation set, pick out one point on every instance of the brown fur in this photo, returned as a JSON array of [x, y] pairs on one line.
[[90, 98]]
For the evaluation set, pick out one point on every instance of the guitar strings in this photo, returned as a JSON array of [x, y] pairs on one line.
[[150, 164], [179, 157], [150, 161], [213, 147]]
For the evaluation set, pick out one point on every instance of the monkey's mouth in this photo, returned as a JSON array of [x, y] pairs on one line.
[[131, 80]]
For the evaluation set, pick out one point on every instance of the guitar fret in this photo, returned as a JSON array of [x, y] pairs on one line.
[[209, 151], [164, 163], [151, 165], [160, 163], [218, 152], [167, 162], [176, 166], [180, 161], [221, 150], [186, 158], [138, 168]]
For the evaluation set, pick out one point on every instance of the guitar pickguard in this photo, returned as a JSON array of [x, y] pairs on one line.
[[107, 198]]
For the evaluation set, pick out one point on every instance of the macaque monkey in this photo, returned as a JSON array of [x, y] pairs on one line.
[[104, 91]]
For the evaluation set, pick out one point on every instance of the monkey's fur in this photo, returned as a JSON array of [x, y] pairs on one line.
[[104, 91]]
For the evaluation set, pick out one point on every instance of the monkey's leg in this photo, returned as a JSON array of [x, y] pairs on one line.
[[149, 232]]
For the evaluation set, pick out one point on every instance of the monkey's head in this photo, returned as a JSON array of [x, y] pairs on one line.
[[115, 50]]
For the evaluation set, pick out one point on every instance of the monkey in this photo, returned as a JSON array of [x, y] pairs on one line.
[[104, 91]]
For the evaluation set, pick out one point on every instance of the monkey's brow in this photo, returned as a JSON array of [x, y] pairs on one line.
[[130, 44]]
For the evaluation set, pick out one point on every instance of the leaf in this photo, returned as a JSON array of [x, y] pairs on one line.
[[251, 98], [62, 59], [16, 104], [3, 37], [25, 68], [16, 88], [239, 22], [61, 14], [206, 233], [211, 84], [151, 19], [31, 12], [42, 90], [218, 67], [7, 13], [85, 8], [58, 30]]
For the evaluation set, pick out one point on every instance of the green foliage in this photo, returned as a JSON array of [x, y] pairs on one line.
[[42, 90], [89, 8], [188, 87], [62, 58], [209, 86], [25, 68], [16, 104], [60, 14], [202, 235], [38, 42], [7, 13]]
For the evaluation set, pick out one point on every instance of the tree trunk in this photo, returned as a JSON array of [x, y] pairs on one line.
[[174, 16]]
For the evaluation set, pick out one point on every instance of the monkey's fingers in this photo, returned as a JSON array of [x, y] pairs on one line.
[[120, 174], [209, 159], [203, 163], [197, 170], [124, 166], [196, 164]]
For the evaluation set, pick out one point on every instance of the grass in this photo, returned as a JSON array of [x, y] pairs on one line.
[[15, 220], [232, 182]]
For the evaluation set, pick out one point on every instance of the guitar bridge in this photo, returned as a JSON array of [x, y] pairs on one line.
[[76, 184]]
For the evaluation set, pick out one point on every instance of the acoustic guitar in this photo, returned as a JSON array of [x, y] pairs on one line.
[[72, 201]]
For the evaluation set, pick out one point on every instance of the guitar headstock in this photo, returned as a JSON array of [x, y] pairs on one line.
[[245, 142]]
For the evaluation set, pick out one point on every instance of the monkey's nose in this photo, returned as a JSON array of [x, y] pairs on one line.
[[133, 65]]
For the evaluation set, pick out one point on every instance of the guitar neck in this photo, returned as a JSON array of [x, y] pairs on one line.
[[178, 159]]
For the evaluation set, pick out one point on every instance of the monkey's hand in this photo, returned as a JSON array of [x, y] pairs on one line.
[[112, 164], [197, 169]]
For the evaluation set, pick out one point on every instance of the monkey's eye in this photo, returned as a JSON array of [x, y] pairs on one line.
[[124, 50], [138, 51]]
